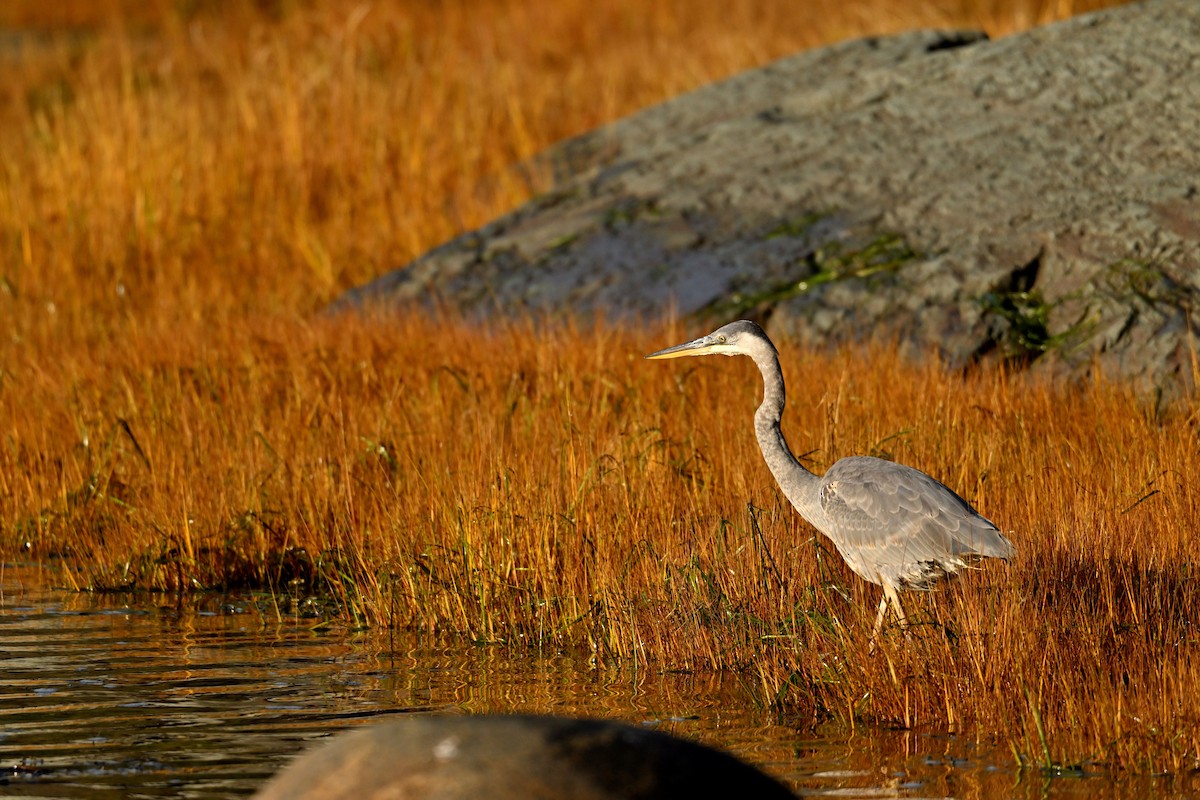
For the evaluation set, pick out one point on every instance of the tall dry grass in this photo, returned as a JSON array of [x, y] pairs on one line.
[[183, 184], [547, 489]]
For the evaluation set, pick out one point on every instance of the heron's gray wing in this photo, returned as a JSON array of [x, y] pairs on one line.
[[901, 524]]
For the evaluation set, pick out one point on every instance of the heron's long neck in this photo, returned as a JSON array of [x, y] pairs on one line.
[[799, 485]]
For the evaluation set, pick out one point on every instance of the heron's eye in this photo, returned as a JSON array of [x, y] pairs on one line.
[[721, 339]]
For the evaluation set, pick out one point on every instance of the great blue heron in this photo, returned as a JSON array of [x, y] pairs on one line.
[[895, 526]]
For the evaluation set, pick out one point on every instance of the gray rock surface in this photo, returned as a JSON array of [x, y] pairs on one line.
[[515, 758], [1035, 197]]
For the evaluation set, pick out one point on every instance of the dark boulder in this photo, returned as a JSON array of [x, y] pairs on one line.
[[514, 758]]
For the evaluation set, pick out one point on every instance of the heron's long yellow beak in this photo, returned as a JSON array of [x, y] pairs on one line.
[[703, 346]]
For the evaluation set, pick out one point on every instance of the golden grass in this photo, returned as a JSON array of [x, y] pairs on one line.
[[180, 190], [545, 488]]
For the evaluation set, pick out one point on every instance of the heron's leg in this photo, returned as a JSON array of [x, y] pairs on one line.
[[878, 623], [889, 593], [879, 617]]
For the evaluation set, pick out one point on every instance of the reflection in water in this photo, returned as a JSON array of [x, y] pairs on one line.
[[101, 698]]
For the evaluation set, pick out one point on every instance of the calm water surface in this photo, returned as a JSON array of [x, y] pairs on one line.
[[117, 697]]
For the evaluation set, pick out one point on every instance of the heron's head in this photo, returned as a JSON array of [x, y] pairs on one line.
[[741, 338]]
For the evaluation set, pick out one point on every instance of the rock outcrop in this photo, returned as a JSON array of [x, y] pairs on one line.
[[1036, 197]]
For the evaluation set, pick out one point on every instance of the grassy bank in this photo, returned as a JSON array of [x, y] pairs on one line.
[[546, 488], [180, 191]]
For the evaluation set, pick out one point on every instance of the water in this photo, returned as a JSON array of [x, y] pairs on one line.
[[105, 696]]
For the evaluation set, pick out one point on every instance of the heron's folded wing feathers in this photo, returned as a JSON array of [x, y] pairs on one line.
[[902, 523]]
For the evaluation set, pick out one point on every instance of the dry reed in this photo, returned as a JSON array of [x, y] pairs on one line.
[[179, 191]]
